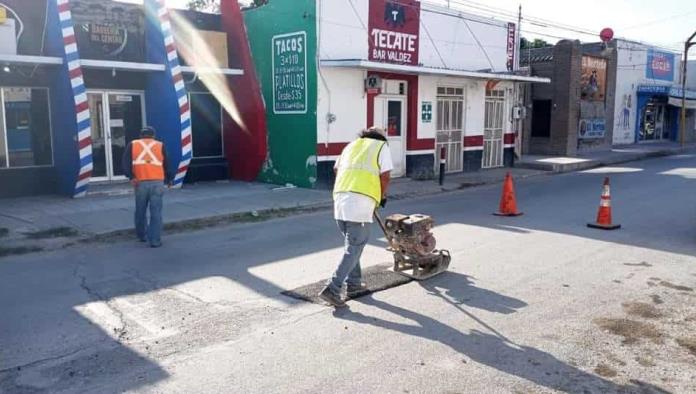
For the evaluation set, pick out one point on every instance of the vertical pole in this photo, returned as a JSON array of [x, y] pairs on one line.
[[443, 162], [682, 115], [682, 120]]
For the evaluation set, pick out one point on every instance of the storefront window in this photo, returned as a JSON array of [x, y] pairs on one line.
[[206, 125], [25, 129]]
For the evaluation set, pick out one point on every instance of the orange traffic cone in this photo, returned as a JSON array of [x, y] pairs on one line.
[[508, 203], [604, 213]]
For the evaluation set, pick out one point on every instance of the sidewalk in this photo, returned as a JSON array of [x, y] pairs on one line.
[[619, 154], [49, 222]]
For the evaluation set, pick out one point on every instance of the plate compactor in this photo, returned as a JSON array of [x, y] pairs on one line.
[[413, 245]]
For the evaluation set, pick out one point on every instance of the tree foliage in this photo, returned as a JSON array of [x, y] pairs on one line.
[[204, 5], [537, 43]]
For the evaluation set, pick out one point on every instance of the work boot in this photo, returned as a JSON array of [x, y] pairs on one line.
[[332, 298], [353, 291]]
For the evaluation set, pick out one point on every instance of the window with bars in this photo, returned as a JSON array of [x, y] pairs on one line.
[[450, 125]]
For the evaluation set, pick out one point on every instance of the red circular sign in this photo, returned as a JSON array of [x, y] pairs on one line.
[[606, 34]]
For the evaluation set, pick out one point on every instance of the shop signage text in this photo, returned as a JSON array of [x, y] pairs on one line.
[[511, 46], [109, 31], [289, 66], [393, 31], [29, 18], [591, 128], [657, 89], [593, 78], [660, 65]]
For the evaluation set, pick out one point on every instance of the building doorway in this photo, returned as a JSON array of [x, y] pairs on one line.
[[653, 124], [390, 114], [493, 129], [450, 126], [116, 120]]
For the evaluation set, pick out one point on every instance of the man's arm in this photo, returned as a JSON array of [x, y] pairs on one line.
[[127, 161], [168, 174], [384, 179]]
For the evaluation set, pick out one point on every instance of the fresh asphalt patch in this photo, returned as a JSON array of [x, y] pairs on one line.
[[377, 278]]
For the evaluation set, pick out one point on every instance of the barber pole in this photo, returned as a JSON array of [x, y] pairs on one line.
[[182, 96], [604, 212], [84, 132]]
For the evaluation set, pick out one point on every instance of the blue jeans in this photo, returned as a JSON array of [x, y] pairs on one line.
[[149, 194], [355, 237]]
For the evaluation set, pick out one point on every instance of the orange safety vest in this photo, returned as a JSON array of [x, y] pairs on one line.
[[148, 160]]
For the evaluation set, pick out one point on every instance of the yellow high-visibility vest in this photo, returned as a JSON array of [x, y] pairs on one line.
[[358, 169]]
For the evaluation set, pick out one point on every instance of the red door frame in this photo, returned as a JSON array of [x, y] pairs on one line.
[[412, 141]]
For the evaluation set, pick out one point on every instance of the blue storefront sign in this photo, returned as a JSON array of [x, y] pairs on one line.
[[591, 128], [660, 65]]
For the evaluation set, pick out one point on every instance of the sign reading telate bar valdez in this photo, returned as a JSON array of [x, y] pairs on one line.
[[393, 31]]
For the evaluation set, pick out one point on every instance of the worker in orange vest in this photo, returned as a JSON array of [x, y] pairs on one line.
[[145, 164]]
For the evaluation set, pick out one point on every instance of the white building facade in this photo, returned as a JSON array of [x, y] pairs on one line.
[[435, 78], [647, 81]]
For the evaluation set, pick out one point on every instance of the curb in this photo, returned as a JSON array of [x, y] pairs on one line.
[[628, 157], [186, 225]]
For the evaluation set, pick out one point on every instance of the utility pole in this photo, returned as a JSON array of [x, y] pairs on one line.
[[682, 121]]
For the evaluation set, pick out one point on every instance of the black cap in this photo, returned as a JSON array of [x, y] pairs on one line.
[[148, 132]]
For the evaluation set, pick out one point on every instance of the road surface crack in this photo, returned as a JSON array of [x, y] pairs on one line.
[[120, 331]]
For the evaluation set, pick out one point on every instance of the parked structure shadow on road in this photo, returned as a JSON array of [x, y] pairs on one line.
[[460, 290], [495, 351]]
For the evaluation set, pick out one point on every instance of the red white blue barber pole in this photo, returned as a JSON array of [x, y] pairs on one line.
[[180, 87], [84, 132]]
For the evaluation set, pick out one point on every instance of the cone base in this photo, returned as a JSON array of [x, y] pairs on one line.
[[508, 214], [604, 226]]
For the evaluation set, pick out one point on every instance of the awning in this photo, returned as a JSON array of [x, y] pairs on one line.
[[121, 66], [421, 70], [212, 70], [677, 102], [29, 60]]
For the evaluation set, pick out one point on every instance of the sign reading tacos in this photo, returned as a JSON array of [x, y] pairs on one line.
[[393, 31], [289, 66]]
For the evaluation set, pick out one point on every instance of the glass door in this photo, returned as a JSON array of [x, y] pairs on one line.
[[494, 114], [116, 119], [390, 114]]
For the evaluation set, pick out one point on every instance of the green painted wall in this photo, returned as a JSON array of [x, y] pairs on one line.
[[290, 96]]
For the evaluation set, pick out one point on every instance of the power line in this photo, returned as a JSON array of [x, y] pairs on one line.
[[656, 21]]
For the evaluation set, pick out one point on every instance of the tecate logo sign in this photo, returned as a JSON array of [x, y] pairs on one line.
[[394, 26], [511, 46], [660, 65]]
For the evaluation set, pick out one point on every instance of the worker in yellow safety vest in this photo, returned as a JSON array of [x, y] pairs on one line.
[[362, 178], [145, 164]]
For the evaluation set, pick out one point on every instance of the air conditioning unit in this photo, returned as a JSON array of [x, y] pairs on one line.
[[8, 37]]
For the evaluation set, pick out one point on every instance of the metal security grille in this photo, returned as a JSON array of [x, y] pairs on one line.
[[493, 129], [450, 126]]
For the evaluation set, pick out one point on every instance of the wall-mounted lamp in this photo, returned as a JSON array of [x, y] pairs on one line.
[[113, 73], [6, 69]]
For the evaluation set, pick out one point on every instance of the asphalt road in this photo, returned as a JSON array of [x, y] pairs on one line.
[[537, 303]]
